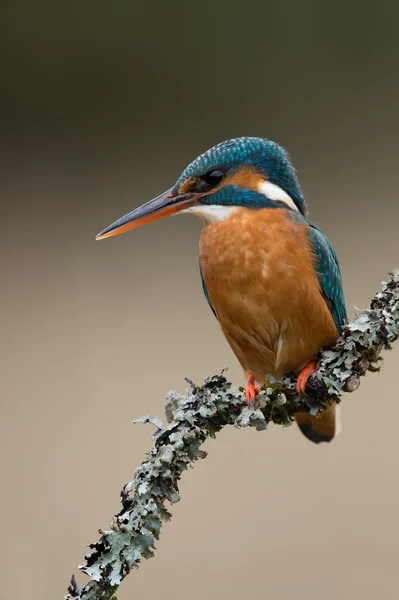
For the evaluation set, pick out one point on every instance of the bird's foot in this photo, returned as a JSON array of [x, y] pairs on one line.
[[250, 391], [304, 376]]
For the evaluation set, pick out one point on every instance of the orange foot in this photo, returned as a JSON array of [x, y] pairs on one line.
[[250, 391], [304, 376]]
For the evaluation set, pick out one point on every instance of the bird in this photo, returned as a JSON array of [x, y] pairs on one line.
[[270, 276]]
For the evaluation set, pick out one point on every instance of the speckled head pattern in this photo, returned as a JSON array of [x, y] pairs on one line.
[[266, 157]]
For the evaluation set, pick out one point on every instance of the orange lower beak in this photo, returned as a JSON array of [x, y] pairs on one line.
[[164, 205]]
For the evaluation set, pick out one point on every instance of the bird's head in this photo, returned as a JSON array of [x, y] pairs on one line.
[[246, 172]]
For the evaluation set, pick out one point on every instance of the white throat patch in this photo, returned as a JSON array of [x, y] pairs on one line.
[[274, 192], [211, 213]]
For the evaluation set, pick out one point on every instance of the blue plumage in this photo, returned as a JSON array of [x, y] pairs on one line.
[[329, 274], [206, 294], [232, 195], [327, 270], [262, 154]]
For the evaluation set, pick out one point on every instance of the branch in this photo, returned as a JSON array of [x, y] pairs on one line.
[[201, 414]]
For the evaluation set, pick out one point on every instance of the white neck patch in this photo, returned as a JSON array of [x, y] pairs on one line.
[[211, 213], [274, 192]]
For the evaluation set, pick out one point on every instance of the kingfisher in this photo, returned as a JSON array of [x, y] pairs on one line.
[[270, 276]]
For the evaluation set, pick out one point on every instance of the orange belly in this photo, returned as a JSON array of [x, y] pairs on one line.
[[260, 279]]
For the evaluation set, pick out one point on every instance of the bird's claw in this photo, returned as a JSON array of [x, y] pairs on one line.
[[251, 390], [304, 376]]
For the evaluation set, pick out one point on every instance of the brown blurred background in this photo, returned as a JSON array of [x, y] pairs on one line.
[[103, 105]]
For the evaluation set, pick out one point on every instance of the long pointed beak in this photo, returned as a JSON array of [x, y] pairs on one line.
[[164, 205]]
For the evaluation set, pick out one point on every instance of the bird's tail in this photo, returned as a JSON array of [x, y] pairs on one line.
[[322, 427]]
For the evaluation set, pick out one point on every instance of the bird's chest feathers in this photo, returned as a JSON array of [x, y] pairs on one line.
[[252, 248], [258, 271]]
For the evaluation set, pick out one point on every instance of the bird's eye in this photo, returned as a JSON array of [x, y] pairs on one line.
[[213, 177]]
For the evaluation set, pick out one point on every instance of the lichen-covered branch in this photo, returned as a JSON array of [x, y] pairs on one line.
[[200, 414]]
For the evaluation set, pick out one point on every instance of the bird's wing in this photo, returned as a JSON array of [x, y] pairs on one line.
[[329, 275], [206, 294]]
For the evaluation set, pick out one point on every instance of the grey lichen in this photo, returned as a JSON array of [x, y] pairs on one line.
[[359, 347], [200, 414]]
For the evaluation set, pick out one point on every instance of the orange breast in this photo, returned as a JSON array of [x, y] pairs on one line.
[[259, 275]]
